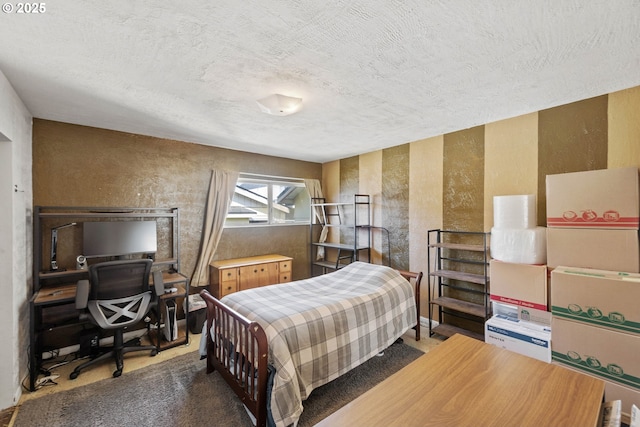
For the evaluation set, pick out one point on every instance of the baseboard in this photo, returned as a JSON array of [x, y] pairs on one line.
[[424, 322]]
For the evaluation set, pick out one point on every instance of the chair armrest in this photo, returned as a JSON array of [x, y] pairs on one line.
[[82, 294], [158, 282]]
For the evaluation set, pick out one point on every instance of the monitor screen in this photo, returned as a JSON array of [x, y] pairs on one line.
[[116, 238]]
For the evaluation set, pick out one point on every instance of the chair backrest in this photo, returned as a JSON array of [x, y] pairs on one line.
[[117, 279], [119, 294]]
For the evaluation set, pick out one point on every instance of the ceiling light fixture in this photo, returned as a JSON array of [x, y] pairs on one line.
[[279, 105]]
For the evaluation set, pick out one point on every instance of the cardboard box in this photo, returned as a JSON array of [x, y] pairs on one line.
[[628, 396], [515, 335], [519, 284], [601, 298], [613, 391], [616, 250], [522, 313], [606, 198], [603, 353]]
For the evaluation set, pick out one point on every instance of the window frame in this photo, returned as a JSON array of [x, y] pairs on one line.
[[270, 181]]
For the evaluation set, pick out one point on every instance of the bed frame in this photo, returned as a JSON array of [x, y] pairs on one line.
[[417, 278], [238, 350]]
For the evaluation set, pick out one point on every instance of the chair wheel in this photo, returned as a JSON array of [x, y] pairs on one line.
[[153, 353], [73, 375], [117, 373]]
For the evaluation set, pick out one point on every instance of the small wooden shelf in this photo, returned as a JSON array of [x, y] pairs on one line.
[[170, 278], [459, 275], [180, 293], [61, 273], [458, 246], [180, 282], [449, 330], [342, 246], [326, 264], [55, 295], [46, 274], [460, 305], [157, 338]]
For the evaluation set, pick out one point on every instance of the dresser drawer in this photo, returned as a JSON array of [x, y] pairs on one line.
[[228, 274], [227, 287], [285, 277], [284, 266]]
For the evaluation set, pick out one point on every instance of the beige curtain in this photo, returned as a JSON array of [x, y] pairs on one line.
[[315, 191], [221, 189]]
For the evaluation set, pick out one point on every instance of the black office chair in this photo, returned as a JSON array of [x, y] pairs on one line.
[[116, 296]]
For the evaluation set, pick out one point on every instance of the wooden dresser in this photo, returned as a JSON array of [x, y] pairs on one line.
[[232, 275]]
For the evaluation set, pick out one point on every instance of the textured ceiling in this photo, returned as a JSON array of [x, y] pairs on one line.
[[371, 73]]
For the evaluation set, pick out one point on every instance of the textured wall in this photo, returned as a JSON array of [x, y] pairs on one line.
[[624, 128], [395, 204], [463, 198], [453, 178], [370, 182], [571, 138], [425, 204], [510, 160], [349, 179], [84, 166], [290, 241]]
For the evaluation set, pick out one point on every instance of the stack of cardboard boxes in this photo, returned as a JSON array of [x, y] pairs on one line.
[[593, 252], [521, 321]]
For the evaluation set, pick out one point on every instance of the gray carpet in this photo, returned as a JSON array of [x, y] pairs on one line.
[[180, 393]]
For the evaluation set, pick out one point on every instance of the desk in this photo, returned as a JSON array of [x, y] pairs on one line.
[[47, 298], [465, 382], [53, 298]]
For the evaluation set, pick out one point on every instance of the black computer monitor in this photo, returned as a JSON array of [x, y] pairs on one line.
[[119, 238]]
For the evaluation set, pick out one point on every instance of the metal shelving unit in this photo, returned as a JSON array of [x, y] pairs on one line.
[[460, 276], [352, 220]]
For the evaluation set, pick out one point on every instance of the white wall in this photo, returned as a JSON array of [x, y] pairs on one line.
[[15, 241]]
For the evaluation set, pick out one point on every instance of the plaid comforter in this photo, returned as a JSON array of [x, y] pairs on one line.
[[320, 328]]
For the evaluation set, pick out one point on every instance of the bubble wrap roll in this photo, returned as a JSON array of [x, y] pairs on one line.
[[518, 211], [522, 246]]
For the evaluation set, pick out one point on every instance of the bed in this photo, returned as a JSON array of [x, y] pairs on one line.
[[273, 345]]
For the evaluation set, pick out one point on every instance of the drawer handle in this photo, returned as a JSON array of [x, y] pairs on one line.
[[255, 271], [285, 277], [262, 269], [229, 274]]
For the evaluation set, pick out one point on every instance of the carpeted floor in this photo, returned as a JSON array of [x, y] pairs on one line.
[[178, 392]]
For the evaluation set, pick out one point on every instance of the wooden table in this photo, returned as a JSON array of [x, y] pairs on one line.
[[465, 382]]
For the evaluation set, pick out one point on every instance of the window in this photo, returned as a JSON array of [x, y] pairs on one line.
[[262, 200]]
